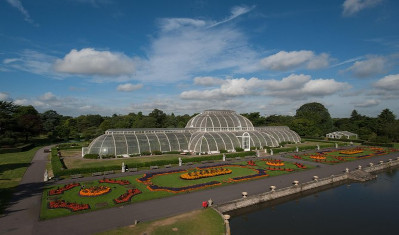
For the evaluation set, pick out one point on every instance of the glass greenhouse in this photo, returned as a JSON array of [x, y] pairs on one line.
[[207, 132]]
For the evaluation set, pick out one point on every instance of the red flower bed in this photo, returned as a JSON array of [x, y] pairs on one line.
[[279, 169], [296, 157], [61, 190], [127, 196], [300, 165], [68, 205], [251, 163], [113, 181]]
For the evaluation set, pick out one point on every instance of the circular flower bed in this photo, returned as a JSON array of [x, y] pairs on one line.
[[351, 151], [318, 157], [94, 191], [205, 173], [272, 162]]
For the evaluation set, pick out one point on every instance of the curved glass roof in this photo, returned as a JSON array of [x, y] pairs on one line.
[[220, 120], [209, 132]]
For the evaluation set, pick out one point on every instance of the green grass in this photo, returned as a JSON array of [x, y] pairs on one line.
[[166, 180], [12, 168], [197, 222]]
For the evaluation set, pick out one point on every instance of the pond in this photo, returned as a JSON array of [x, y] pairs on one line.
[[356, 208]]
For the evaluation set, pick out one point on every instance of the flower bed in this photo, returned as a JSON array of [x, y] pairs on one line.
[[63, 189], [210, 172], [351, 151], [182, 189], [318, 157], [147, 177], [68, 205], [272, 162], [94, 191], [126, 197], [261, 173], [113, 181], [300, 165], [279, 169], [251, 163]]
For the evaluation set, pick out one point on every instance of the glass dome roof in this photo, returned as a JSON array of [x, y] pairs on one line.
[[220, 120]]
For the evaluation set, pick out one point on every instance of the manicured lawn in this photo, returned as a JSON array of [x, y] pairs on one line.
[[12, 168], [197, 222], [166, 179]]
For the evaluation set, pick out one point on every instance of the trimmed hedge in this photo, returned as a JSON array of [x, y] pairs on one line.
[[23, 148], [91, 156], [378, 144], [172, 152], [156, 152], [57, 165]]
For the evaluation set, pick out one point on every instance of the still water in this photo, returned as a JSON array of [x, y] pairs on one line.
[[356, 208]]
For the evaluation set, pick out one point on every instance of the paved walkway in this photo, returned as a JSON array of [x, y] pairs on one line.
[[23, 215]]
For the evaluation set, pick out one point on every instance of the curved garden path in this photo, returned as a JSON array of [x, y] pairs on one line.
[[22, 216]]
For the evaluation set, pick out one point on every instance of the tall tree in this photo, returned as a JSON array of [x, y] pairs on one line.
[[317, 114], [28, 121]]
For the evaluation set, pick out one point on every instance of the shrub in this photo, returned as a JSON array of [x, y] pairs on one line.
[[91, 156], [145, 153], [107, 156], [238, 149], [172, 152], [156, 152], [223, 151]]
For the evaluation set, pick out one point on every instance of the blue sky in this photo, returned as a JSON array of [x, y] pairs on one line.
[[107, 56]]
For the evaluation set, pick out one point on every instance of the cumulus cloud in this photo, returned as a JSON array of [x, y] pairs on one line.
[[4, 96], [129, 87], [17, 4], [390, 82], [89, 61], [286, 60], [208, 81], [351, 7], [367, 103], [291, 87], [369, 67]]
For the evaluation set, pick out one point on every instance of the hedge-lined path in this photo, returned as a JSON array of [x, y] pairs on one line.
[[102, 220]]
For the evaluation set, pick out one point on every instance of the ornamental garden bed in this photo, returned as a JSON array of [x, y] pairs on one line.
[[339, 155], [105, 193]]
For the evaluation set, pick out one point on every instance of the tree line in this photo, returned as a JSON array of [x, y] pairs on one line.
[[19, 124]]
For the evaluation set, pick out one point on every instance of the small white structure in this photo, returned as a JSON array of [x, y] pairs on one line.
[[123, 167], [46, 176], [180, 161], [297, 149], [271, 151], [224, 157], [340, 134]]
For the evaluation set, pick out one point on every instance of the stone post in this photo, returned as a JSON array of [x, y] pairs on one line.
[[371, 164], [336, 145], [316, 178], [244, 194], [296, 182], [347, 170], [210, 202], [272, 188], [226, 218], [123, 167], [271, 151], [257, 153], [381, 162], [359, 167], [45, 175], [180, 161], [297, 149], [265, 150], [318, 147]]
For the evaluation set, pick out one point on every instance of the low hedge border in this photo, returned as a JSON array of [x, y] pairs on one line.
[[23, 148]]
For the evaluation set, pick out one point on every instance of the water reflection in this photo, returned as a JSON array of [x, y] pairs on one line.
[[355, 208]]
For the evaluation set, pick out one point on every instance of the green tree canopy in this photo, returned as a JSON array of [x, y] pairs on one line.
[[317, 114]]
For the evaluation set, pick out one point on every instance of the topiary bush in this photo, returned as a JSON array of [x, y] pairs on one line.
[[156, 152], [91, 156]]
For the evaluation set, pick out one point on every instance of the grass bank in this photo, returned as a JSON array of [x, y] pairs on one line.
[[12, 169], [197, 222]]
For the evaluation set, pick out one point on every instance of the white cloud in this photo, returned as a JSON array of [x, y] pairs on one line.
[[89, 61], [369, 67], [129, 87], [4, 96], [284, 60], [235, 12], [17, 4], [390, 83], [208, 81], [351, 7], [292, 87], [186, 47], [33, 62], [367, 103]]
